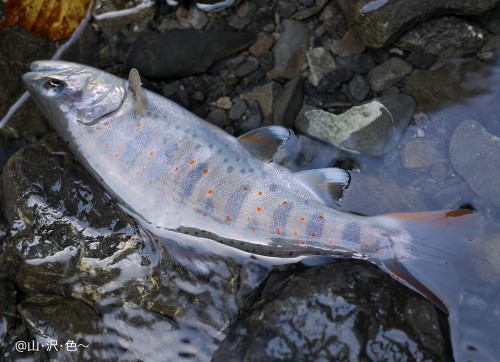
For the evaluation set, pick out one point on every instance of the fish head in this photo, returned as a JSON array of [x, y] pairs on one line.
[[70, 93]]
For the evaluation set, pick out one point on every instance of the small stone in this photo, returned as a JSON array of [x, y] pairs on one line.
[[266, 96], [332, 81], [348, 46], [359, 63], [223, 103], [233, 63], [307, 13], [239, 23], [320, 62], [247, 67], [197, 19], [373, 128], [238, 110], [289, 51], [474, 155], [217, 117], [388, 73], [285, 8], [421, 60], [254, 120], [359, 87], [198, 96], [264, 42], [420, 153]]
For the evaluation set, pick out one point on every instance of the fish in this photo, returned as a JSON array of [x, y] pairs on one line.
[[174, 171]]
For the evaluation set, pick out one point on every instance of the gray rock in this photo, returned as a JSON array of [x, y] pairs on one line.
[[266, 96], [320, 62], [379, 25], [359, 63], [339, 312], [388, 73], [446, 36], [178, 53], [348, 46], [68, 239], [289, 103], [253, 121], [238, 110], [285, 8], [196, 18], [218, 117], [378, 193], [421, 153], [263, 43], [332, 81], [359, 87], [474, 155], [289, 51], [373, 128], [248, 66], [452, 83], [421, 60]]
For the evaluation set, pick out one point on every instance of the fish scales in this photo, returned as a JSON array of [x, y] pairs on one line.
[[175, 171]]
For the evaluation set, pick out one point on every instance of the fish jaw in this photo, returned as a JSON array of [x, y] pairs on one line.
[[66, 92]]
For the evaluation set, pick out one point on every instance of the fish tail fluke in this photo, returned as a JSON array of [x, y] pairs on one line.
[[437, 245]]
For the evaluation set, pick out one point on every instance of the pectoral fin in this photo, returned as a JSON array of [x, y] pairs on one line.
[[264, 143], [327, 184]]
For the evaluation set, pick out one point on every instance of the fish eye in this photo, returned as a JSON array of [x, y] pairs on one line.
[[54, 83]]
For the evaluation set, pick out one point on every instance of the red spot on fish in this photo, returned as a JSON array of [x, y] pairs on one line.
[[106, 123], [284, 202], [295, 233], [98, 128], [245, 188], [127, 162], [313, 235], [106, 145], [259, 209], [277, 231], [151, 153], [321, 217], [191, 162], [377, 250], [259, 193], [302, 219], [302, 243], [210, 192], [204, 215], [115, 155], [228, 218], [138, 125], [176, 169], [205, 171], [254, 229]]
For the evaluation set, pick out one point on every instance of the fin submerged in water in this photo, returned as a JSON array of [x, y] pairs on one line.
[[439, 245]]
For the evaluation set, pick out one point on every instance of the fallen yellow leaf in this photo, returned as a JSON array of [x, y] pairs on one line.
[[49, 19]]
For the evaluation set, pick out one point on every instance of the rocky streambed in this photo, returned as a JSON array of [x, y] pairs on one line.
[[401, 93]]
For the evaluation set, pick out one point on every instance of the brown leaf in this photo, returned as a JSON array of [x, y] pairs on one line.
[[49, 19]]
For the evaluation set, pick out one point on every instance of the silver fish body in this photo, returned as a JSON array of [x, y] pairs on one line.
[[176, 171]]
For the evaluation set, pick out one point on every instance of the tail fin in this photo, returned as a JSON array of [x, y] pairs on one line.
[[440, 242]]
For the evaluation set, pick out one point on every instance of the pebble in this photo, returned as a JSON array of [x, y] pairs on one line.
[[217, 117], [332, 81], [238, 110], [253, 121], [196, 18], [348, 46], [264, 43], [266, 96], [359, 87], [289, 51], [320, 62], [223, 103], [248, 66], [388, 73], [474, 155]]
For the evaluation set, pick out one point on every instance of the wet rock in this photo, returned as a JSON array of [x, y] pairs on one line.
[[474, 155], [8, 297], [264, 43], [218, 117], [68, 238], [254, 119], [343, 311], [266, 96], [373, 128], [178, 53], [349, 45], [378, 193], [378, 23], [451, 83], [238, 110], [289, 103], [388, 74], [446, 36], [359, 87], [421, 153], [320, 62], [289, 51], [359, 63], [196, 18], [248, 66], [19, 49], [223, 103], [421, 60], [332, 81], [492, 47], [285, 8]]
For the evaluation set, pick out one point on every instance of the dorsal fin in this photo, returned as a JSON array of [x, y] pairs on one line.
[[264, 143], [134, 86], [327, 184]]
